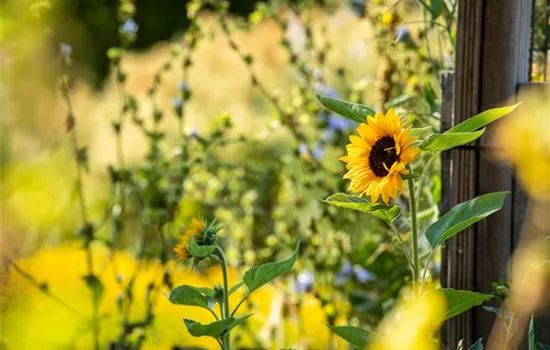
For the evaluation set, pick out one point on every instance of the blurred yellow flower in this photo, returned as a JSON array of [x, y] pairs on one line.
[[387, 18], [524, 141], [196, 231], [376, 158], [411, 324]]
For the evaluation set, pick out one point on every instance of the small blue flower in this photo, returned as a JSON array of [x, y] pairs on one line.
[[317, 151], [304, 282], [363, 275], [177, 102], [130, 27], [183, 86], [65, 49], [358, 6], [344, 274], [401, 33], [303, 148], [328, 135]]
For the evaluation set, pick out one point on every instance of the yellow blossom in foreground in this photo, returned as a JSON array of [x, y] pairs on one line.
[[524, 141], [376, 158], [411, 324]]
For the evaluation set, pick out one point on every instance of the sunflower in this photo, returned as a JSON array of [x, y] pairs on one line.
[[196, 230], [377, 158]]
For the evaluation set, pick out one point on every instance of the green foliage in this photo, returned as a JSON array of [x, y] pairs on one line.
[[353, 111], [480, 120], [353, 335], [444, 142], [215, 329], [462, 216], [459, 301], [187, 295], [198, 251], [265, 273], [388, 213]]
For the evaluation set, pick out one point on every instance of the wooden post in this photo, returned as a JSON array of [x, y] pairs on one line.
[[492, 59]]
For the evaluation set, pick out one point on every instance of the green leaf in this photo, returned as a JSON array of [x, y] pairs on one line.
[[239, 321], [541, 346], [410, 176], [207, 292], [464, 215], [387, 213], [436, 6], [459, 301], [354, 335], [443, 142], [478, 121], [478, 345], [353, 111], [420, 131], [235, 288], [199, 251], [398, 101], [187, 295], [265, 273], [493, 309], [95, 286], [214, 329]]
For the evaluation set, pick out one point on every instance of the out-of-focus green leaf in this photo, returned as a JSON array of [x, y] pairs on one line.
[[462, 216], [387, 213], [353, 111], [354, 335], [480, 120], [459, 301], [265, 273]]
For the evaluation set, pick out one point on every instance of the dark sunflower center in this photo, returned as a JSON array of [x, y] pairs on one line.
[[382, 156]]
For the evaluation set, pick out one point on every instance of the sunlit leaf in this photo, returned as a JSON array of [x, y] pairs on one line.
[[459, 301], [480, 120], [354, 335], [443, 142], [462, 216], [214, 329], [353, 111], [198, 251], [387, 213], [265, 273], [187, 295]]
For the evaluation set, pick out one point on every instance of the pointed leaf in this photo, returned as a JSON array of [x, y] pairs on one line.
[[354, 335], [478, 345], [199, 251], [353, 111], [478, 121], [235, 288], [459, 301], [187, 295], [265, 273], [541, 346], [387, 213], [532, 335], [214, 329], [443, 142], [239, 321], [464, 215], [207, 292]]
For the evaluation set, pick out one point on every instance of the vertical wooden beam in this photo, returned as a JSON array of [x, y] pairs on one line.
[[503, 67], [460, 249], [492, 58]]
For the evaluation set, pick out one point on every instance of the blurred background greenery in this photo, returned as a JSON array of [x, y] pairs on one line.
[[188, 108]]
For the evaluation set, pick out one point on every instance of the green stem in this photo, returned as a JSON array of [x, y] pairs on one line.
[[403, 245], [240, 303], [416, 264], [225, 314]]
